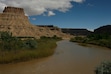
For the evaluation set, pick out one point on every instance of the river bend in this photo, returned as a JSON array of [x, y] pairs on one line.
[[69, 58]]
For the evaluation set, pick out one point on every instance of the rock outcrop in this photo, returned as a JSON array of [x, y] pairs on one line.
[[14, 20]]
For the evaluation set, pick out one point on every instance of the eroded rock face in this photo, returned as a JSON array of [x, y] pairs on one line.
[[14, 20], [14, 10]]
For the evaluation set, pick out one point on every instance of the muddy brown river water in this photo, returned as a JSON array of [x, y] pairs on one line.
[[69, 58]]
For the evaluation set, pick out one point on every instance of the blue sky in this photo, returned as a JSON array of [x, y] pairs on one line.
[[90, 14]]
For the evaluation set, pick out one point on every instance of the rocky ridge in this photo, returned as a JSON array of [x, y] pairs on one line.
[[106, 29], [14, 20]]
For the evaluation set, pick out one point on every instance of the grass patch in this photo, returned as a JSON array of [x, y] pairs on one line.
[[44, 48], [23, 50]]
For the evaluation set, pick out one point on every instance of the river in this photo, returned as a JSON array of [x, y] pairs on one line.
[[69, 58]]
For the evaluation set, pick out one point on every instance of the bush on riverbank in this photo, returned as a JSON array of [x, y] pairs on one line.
[[13, 49], [10, 43], [104, 68], [96, 39]]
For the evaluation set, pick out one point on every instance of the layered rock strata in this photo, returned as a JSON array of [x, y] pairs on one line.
[[14, 20]]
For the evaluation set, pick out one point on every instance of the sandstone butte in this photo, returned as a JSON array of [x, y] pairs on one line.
[[13, 20]]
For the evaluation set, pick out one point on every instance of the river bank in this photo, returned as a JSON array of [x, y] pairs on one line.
[[94, 39], [45, 47]]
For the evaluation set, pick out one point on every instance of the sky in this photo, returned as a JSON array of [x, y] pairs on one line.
[[89, 14]]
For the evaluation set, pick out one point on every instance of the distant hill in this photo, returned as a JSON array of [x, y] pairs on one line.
[[76, 31], [103, 30]]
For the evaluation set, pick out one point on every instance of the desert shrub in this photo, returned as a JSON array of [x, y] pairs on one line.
[[44, 37], [29, 44], [51, 38], [104, 68], [8, 42], [6, 36], [98, 36], [57, 38], [78, 39], [96, 39]]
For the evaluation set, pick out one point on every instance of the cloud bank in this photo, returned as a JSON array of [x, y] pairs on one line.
[[38, 7]]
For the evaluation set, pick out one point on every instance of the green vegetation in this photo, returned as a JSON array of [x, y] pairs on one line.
[[104, 68], [96, 39], [10, 43], [13, 49]]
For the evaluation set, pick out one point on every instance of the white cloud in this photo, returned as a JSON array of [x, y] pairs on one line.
[[80, 1], [2, 5], [51, 13], [38, 7], [33, 19]]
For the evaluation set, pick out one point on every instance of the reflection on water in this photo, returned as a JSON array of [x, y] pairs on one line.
[[69, 58]]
